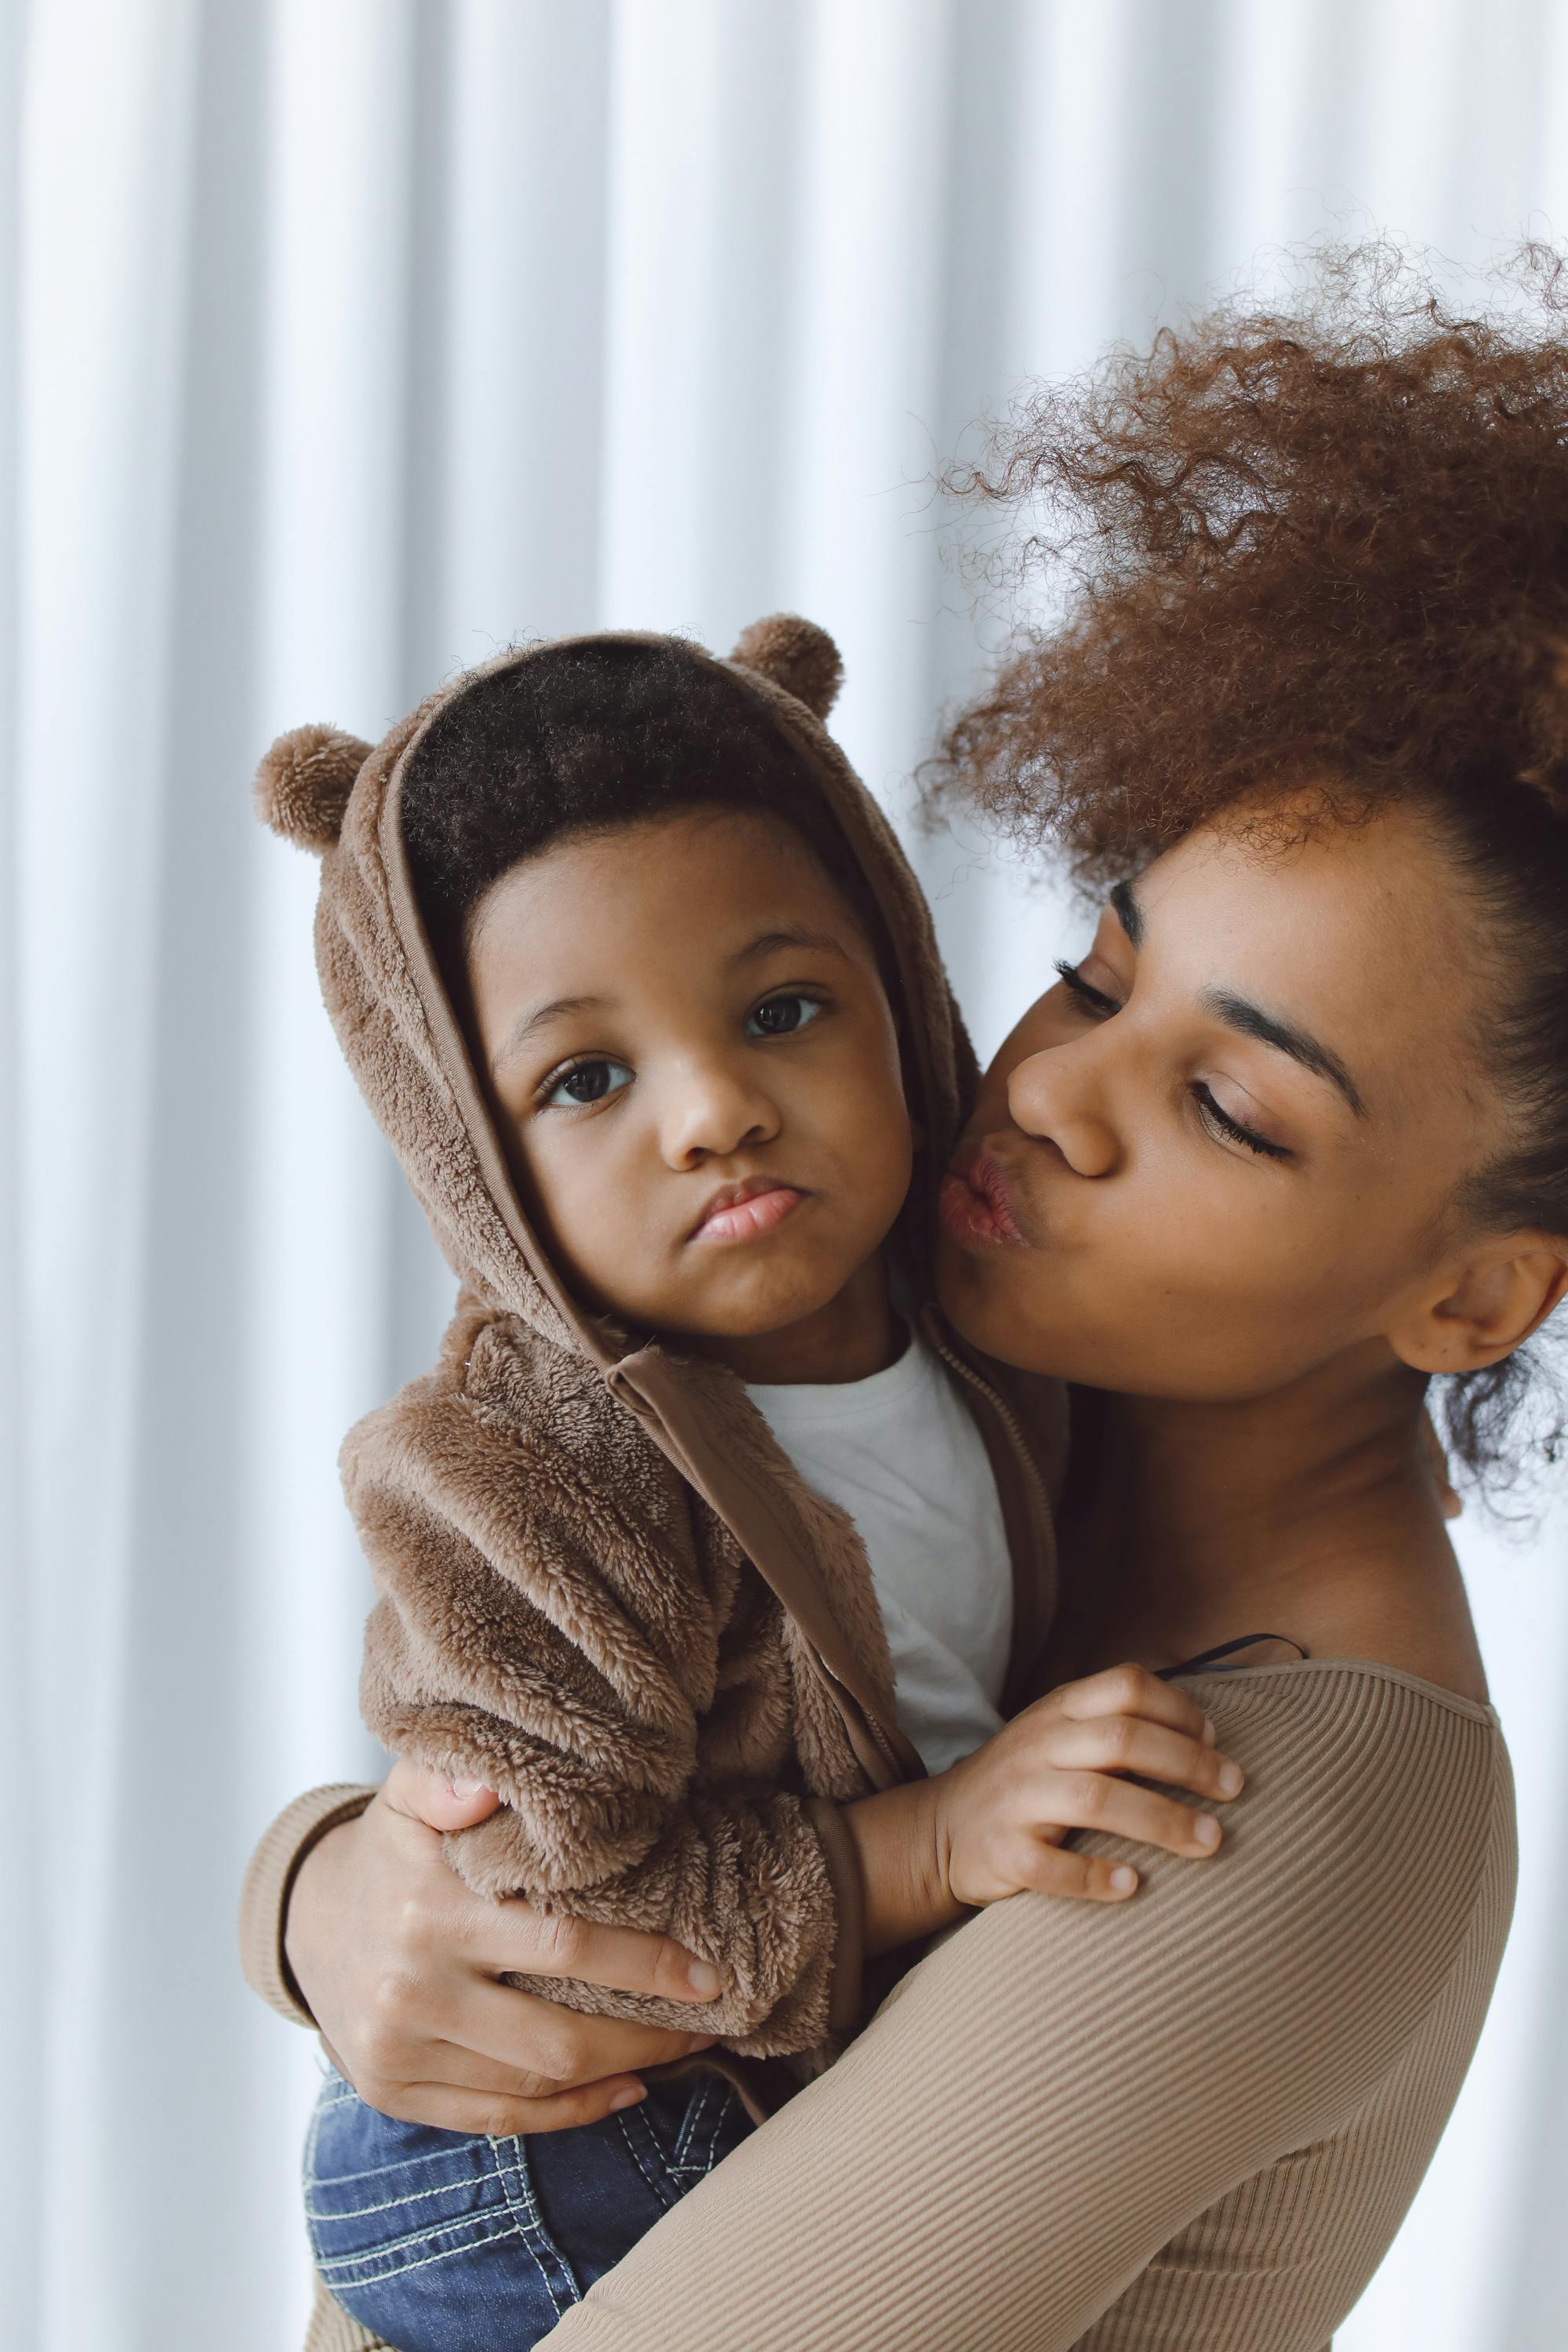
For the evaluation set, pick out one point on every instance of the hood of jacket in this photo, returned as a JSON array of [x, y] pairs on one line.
[[383, 990]]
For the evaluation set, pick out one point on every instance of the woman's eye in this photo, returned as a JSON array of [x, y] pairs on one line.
[[586, 1082], [1093, 1000], [1219, 1122], [779, 1016]]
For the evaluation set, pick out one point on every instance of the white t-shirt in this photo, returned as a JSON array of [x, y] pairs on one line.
[[901, 1455]]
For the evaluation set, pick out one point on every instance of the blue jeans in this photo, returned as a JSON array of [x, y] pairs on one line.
[[441, 2242]]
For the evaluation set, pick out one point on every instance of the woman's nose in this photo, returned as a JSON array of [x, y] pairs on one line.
[[1052, 1095], [711, 1113]]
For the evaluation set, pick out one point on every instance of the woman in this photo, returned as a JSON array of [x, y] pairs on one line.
[[1290, 1141]]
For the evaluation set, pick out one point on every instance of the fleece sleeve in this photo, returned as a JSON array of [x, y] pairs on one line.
[[561, 1638], [1141, 2129]]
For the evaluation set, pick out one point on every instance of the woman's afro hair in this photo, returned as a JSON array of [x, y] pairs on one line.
[[1330, 544], [1300, 564]]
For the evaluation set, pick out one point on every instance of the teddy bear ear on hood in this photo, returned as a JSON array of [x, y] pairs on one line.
[[304, 783], [797, 655]]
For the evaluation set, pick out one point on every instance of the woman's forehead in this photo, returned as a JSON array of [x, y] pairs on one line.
[[1360, 934]]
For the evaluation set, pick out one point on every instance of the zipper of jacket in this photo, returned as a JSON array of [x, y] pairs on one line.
[[884, 1746], [1005, 1414]]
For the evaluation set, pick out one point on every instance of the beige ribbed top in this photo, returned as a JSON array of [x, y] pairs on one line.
[[1191, 2124]]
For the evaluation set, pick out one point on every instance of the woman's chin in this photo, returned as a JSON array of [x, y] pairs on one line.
[[975, 1295]]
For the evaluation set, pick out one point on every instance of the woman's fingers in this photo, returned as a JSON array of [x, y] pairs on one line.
[[1122, 1743], [484, 2040], [496, 2117], [461, 2068], [507, 2040], [414, 1791], [513, 1939]]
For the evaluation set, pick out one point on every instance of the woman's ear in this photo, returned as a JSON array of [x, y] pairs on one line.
[[1489, 1302]]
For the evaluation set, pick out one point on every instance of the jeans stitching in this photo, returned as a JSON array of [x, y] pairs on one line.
[[656, 2174], [689, 2122], [398, 2164], [531, 2226], [719, 2117], [337, 2265], [388, 2205]]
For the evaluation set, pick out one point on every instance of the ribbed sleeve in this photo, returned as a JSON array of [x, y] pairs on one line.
[[270, 1875], [331, 2329], [1194, 2121]]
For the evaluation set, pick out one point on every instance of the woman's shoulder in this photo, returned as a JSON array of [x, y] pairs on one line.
[[1335, 1701], [1388, 1796]]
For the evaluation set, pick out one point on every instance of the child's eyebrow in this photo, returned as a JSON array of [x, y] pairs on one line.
[[769, 942], [524, 1027]]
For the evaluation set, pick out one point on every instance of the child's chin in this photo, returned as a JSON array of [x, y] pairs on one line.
[[759, 1309]]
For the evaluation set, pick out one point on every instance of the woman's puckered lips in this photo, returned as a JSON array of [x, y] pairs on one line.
[[977, 1205]]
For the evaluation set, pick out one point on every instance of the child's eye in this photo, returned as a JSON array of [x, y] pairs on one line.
[[585, 1082], [776, 1016]]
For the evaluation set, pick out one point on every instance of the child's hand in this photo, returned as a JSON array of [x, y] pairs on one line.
[[1001, 1815]]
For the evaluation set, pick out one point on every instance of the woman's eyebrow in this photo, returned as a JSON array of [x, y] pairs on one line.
[[1251, 1020], [1129, 913]]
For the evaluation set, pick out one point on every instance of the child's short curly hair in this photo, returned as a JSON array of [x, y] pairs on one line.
[[587, 736], [1326, 548]]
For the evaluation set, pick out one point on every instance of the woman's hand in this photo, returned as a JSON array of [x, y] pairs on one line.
[[1002, 1815], [398, 1963]]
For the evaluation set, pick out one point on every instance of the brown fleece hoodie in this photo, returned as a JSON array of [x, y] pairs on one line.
[[603, 1589]]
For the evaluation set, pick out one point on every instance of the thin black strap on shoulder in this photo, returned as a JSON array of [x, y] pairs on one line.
[[1209, 1661]]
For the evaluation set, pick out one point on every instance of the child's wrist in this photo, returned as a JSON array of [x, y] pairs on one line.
[[900, 1838]]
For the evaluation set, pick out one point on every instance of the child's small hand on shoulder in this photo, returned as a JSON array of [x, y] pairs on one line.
[[1000, 1816]]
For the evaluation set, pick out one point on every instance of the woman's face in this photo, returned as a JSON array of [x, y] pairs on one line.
[[1225, 1146]]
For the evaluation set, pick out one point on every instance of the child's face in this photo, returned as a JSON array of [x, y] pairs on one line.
[[697, 1070]]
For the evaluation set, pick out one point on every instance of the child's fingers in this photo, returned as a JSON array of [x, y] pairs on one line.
[[1083, 1877], [1124, 1743], [1095, 1801], [1130, 1690]]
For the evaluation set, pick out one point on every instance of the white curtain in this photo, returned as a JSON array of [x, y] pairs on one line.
[[342, 341]]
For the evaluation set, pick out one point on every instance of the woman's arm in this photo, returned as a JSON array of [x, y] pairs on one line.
[[352, 1922], [1061, 2089]]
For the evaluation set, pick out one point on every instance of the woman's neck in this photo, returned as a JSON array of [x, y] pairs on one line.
[[1313, 1513]]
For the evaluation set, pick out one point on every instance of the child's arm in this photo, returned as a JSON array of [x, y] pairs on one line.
[[995, 1823], [559, 1637]]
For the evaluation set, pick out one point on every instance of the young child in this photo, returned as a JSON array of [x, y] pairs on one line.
[[703, 1527]]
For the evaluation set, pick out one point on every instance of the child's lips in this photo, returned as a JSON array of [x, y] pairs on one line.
[[741, 1213]]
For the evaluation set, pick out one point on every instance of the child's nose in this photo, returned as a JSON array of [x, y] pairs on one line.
[[711, 1114]]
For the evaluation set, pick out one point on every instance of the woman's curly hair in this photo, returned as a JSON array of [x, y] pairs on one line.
[[1326, 546]]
